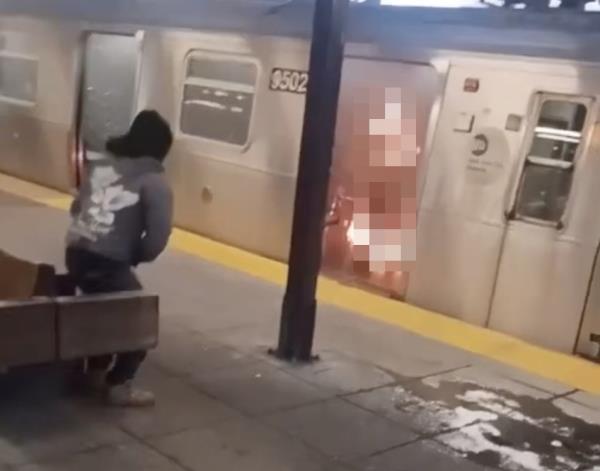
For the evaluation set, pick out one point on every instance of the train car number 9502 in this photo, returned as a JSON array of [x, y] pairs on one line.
[[285, 80]]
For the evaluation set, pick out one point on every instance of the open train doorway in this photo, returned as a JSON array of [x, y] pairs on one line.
[[108, 97], [378, 172]]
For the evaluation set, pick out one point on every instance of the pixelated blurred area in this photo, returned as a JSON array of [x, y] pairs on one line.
[[372, 221]]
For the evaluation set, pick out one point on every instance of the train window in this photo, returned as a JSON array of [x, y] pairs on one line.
[[108, 89], [18, 79], [218, 98], [548, 172]]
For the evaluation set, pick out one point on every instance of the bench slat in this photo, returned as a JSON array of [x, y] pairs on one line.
[[100, 324], [27, 333]]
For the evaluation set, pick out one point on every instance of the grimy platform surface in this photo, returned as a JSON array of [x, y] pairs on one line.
[[383, 398]]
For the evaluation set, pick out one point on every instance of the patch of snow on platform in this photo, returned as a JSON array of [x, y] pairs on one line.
[[468, 427], [572, 464], [474, 439], [496, 403], [493, 402], [432, 382], [437, 415], [461, 417]]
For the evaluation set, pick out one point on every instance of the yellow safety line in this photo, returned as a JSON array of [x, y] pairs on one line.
[[32, 192], [566, 369]]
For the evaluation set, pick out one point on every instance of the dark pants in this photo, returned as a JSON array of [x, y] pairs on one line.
[[95, 274]]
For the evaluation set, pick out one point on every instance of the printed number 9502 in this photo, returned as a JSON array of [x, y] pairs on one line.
[[284, 80]]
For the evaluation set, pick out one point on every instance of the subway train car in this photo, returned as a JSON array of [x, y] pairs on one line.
[[498, 107]]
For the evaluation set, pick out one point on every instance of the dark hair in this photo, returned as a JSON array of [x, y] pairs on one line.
[[148, 136]]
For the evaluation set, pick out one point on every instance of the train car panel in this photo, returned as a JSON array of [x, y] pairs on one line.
[[554, 226], [461, 219], [590, 321], [234, 161], [37, 102], [495, 149]]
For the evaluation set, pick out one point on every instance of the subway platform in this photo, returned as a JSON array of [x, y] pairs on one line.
[[396, 389]]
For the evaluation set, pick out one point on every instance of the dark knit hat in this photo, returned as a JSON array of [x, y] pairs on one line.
[[148, 136]]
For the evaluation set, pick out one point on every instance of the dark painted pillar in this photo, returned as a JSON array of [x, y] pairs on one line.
[[326, 58]]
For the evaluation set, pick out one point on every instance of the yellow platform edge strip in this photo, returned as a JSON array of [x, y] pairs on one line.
[[566, 369]]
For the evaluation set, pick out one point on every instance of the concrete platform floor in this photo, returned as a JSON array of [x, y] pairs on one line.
[[380, 399]]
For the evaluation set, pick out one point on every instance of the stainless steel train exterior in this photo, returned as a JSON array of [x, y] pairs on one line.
[[505, 119]]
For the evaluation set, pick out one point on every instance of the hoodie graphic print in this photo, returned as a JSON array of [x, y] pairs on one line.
[[107, 197], [123, 210]]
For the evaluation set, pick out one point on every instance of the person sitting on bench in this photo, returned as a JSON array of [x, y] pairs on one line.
[[121, 217]]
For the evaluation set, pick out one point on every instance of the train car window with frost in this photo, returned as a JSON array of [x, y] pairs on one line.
[[109, 88], [18, 79], [548, 172], [218, 98]]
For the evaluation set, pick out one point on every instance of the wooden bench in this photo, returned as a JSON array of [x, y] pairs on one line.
[[53, 324]]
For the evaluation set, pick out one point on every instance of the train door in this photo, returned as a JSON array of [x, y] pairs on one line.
[[508, 224], [111, 64], [588, 342], [552, 229], [461, 216]]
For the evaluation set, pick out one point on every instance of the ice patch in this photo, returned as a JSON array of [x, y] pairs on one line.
[[461, 417], [437, 415], [484, 397], [568, 462], [467, 424], [433, 382], [474, 439], [452, 419], [509, 408]]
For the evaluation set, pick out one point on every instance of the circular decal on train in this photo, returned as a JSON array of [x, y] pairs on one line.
[[487, 159], [480, 145]]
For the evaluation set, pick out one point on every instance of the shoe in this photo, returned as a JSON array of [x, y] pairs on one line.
[[126, 395]]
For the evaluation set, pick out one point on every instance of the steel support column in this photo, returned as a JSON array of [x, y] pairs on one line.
[[326, 59]]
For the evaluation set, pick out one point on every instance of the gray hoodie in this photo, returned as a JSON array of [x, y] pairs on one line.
[[124, 210]]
